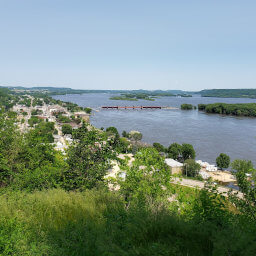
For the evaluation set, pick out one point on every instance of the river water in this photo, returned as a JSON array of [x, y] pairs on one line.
[[210, 134]]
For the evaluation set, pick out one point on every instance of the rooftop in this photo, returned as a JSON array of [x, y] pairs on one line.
[[172, 163]]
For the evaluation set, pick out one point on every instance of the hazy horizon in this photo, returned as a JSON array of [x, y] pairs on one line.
[[117, 45], [106, 89]]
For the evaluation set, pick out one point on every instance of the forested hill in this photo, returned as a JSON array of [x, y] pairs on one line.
[[229, 93], [67, 90]]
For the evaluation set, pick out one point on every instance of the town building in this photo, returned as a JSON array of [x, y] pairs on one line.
[[175, 166]]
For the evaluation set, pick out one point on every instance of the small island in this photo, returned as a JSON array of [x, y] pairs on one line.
[[242, 109], [187, 106], [141, 96]]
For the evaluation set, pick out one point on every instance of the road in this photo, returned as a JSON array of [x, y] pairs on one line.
[[200, 185]]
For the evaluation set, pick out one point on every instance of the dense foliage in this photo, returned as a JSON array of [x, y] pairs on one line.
[[141, 96], [186, 106], [146, 177], [28, 162], [223, 161], [88, 160], [246, 180], [159, 147], [229, 93], [66, 129], [243, 109], [56, 223], [181, 152]]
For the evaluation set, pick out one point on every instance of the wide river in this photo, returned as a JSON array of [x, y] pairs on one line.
[[210, 134]]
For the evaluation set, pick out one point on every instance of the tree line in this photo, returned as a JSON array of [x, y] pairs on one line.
[[242, 109], [229, 93]]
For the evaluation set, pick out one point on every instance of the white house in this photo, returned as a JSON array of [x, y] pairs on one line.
[[175, 166]]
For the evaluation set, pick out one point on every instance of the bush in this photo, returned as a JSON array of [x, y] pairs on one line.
[[201, 106], [186, 106], [88, 110], [135, 135]]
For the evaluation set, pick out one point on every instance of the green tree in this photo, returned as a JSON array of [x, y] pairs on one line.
[[125, 134], [247, 203], [88, 160], [11, 114], [223, 161], [174, 151], [34, 120], [10, 141], [44, 130], [63, 119], [112, 131], [80, 132], [159, 147], [187, 151], [191, 168], [123, 146], [31, 163], [148, 177], [66, 129]]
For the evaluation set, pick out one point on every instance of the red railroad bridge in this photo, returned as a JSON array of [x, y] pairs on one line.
[[131, 107]]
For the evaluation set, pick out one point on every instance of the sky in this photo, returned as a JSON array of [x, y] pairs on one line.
[[135, 44]]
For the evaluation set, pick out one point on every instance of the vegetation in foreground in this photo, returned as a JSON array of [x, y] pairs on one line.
[[99, 222]]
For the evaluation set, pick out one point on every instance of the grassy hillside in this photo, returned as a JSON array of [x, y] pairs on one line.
[[56, 222]]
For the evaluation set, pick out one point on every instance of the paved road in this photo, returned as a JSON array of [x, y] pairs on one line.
[[200, 184]]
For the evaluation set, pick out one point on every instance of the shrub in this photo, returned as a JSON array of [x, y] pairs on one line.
[[88, 110], [186, 106]]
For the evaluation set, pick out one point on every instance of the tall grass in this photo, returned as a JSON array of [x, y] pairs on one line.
[[56, 222]]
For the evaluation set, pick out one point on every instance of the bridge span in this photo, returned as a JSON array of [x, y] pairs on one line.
[[137, 107]]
